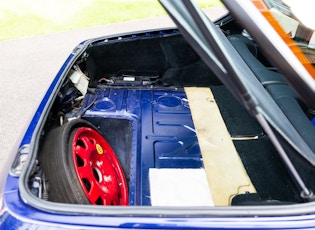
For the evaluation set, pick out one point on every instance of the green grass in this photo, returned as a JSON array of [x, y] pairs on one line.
[[21, 18]]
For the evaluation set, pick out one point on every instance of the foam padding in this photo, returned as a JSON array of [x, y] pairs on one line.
[[179, 187]]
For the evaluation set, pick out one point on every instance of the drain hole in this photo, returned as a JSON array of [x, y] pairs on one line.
[[97, 175], [99, 201], [81, 143], [79, 160], [87, 184]]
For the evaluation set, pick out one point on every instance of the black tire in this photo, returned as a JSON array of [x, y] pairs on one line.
[[57, 164]]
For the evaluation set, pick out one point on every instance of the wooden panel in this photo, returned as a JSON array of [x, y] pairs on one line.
[[226, 174]]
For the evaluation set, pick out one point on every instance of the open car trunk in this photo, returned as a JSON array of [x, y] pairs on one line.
[[180, 136]]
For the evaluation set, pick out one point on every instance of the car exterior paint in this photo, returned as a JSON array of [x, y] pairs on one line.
[[16, 213]]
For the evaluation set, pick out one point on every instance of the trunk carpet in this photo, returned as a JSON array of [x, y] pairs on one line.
[[261, 161]]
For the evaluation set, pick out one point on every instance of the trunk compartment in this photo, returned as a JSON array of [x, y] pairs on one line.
[[136, 100]]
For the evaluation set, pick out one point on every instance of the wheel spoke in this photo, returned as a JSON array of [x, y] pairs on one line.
[[89, 143], [95, 193], [85, 172], [80, 151], [100, 193], [98, 169], [84, 148], [110, 199]]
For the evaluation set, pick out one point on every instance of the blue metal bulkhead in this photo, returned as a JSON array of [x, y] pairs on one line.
[[163, 134]]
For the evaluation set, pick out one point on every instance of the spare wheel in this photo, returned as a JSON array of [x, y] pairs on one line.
[[81, 167]]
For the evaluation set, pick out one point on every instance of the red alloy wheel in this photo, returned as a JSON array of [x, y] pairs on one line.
[[98, 169]]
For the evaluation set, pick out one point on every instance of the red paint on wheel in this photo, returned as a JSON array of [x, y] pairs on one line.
[[98, 169]]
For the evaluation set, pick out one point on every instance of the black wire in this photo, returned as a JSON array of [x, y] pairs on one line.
[[90, 91]]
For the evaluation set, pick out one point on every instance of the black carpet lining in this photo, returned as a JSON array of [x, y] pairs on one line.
[[261, 161]]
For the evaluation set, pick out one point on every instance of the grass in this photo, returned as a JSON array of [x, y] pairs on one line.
[[21, 18]]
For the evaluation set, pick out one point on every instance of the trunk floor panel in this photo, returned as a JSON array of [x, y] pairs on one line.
[[153, 128], [161, 124]]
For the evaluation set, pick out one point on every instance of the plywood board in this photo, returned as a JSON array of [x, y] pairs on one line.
[[225, 172]]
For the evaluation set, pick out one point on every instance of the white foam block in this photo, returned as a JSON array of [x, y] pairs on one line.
[[179, 187]]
